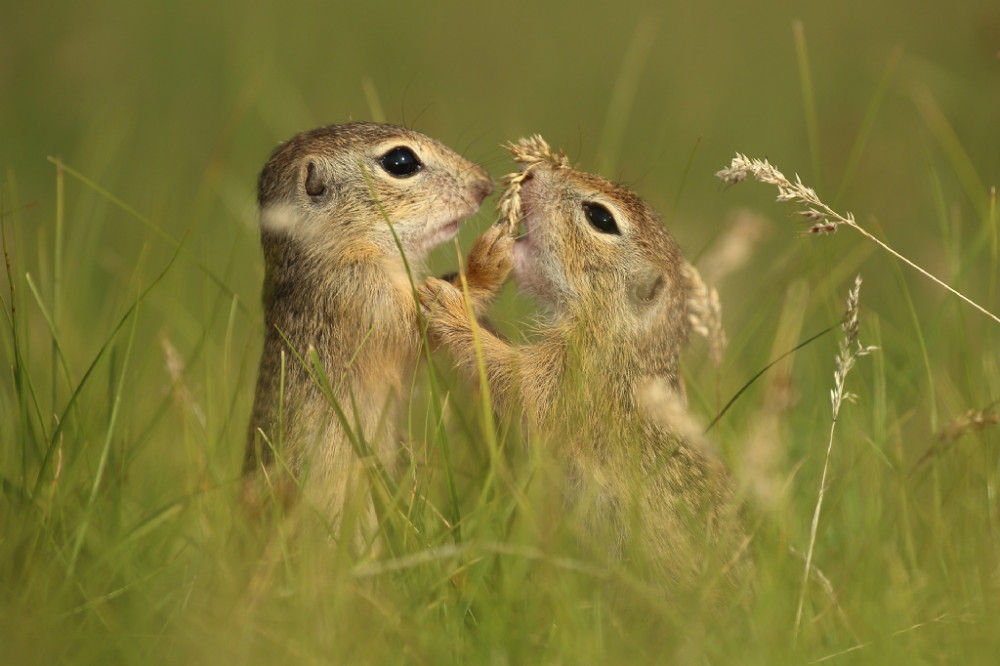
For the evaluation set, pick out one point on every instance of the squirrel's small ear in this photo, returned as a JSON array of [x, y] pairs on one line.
[[646, 287], [315, 183]]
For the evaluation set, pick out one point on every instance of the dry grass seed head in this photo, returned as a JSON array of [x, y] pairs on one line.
[[705, 313], [850, 348], [735, 246], [529, 152], [972, 421], [826, 219]]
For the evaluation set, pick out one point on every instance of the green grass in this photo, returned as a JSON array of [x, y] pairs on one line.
[[132, 327]]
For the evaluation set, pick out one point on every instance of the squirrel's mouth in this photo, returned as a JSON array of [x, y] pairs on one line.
[[418, 244], [443, 232]]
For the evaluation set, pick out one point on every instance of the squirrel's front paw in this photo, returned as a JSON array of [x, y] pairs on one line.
[[444, 309], [490, 260], [437, 296]]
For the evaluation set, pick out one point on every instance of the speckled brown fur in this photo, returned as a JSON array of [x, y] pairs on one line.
[[335, 282], [617, 319]]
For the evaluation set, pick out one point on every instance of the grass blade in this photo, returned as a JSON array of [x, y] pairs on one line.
[[56, 346], [57, 284], [102, 463], [623, 95], [152, 226], [949, 142], [24, 389], [436, 400], [808, 97], [765, 369], [868, 122], [51, 439], [684, 177]]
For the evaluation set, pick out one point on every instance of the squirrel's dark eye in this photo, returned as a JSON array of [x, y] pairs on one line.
[[401, 162], [601, 218]]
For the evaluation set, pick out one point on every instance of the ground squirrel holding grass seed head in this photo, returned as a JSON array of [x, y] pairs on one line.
[[336, 285], [600, 383]]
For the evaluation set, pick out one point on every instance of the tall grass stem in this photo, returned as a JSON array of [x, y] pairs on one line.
[[623, 95], [826, 220], [849, 350], [808, 96], [103, 461], [57, 270]]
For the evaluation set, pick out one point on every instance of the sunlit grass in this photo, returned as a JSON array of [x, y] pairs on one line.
[[131, 345]]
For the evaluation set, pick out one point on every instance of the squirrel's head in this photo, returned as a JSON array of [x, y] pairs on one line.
[[593, 251], [340, 184]]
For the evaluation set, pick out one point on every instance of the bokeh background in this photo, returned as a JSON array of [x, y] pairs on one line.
[[173, 108], [888, 109]]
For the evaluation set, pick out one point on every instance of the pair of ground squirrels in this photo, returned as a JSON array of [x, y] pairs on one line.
[[340, 313], [600, 380], [339, 302]]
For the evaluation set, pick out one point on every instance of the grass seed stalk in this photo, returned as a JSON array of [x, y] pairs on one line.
[[824, 219]]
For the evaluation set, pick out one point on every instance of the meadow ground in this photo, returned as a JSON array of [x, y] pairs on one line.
[[132, 327]]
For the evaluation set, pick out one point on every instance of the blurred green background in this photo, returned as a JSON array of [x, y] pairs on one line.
[[172, 108]]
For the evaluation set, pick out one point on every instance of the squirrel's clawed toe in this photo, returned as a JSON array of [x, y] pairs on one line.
[[491, 259], [435, 293]]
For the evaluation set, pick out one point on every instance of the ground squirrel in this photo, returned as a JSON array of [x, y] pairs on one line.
[[336, 283], [600, 380]]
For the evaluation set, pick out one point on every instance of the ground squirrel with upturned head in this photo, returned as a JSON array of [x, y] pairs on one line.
[[601, 380], [336, 285]]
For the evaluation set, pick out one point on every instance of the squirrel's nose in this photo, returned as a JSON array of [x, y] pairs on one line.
[[484, 184]]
